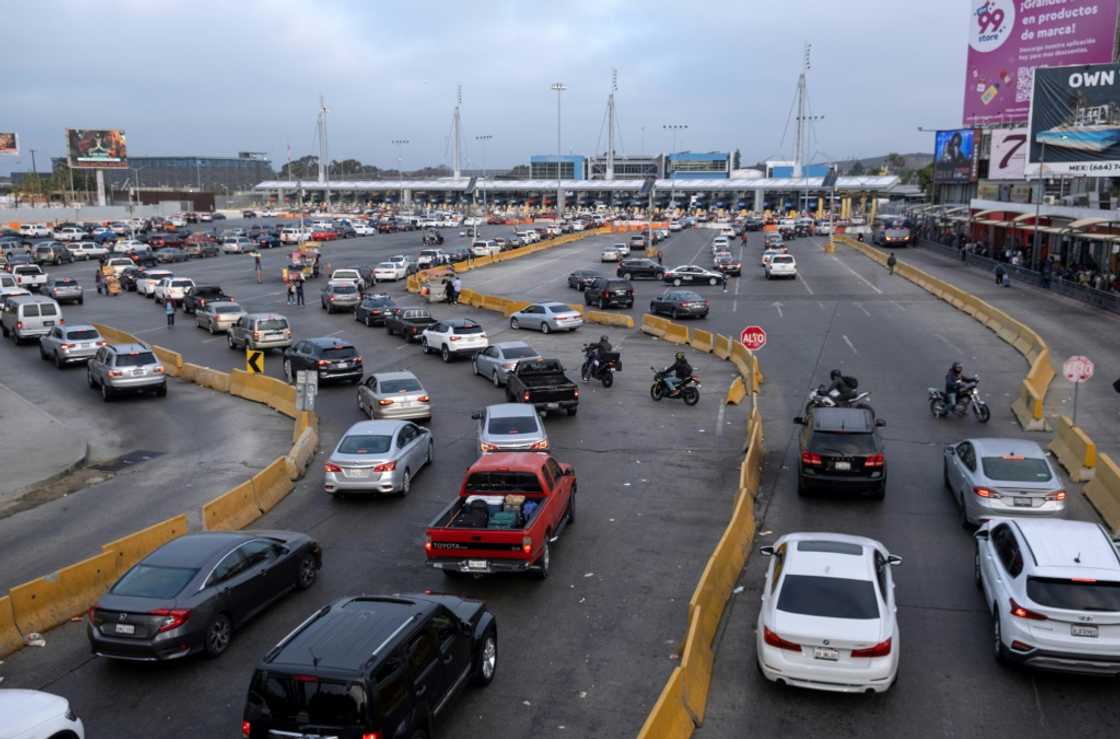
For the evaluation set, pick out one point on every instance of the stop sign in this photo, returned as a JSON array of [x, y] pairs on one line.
[[753, 337]]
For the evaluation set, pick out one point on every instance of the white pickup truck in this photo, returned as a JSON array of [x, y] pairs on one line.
[[173, 288], [29, 276]]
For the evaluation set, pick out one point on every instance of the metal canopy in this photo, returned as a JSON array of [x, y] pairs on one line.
[[1023, 217], [1085, 222], [981, 214]]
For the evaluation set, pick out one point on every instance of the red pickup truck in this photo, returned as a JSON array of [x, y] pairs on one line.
[[511, 507]]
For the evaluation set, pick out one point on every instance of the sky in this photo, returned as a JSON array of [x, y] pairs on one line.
[[187, 77]]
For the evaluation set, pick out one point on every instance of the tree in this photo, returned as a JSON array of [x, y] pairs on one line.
[[304, 168], [895, 162], [925, 177], [735, 159], [856, 169]]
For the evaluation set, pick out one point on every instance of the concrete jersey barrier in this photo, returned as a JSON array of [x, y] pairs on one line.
[[130, 549], [48, 601], [1074, 450], [232, 510], [1103, 491]]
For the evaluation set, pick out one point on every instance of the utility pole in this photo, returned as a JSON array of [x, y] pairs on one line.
[[400, 161], [324, 161], [456, 143], [803, 120], [674, 127], [610, 125], [559, 88], [35, 173], [483, 139]]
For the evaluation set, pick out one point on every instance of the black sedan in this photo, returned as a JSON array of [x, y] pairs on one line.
[[332, 358], [692, 274], [373, 309], [128, 277], [581, 278], [190, 595], [680, 303], [640, 269]]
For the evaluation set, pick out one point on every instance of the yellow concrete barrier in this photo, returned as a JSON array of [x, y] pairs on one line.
[[469, 297], [736, 392], [669, 719], [10, 638], [128, 550], [722, 346], [304, 419], [49, 601], [701, 340], [115, 336], [301, 453], [212, 379], [1074, 449], [232, 510], [653, 325], [676, 333], [606, 319], [513, 306], [1103, 491], [189, 372], [697, 659], [744, 361], [172, 361], [272, 484], [492, 302], [276, 394]]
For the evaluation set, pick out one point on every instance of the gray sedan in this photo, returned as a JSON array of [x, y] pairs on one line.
[[218, 317], [66, 344], [510, 427], [546, 317], [394, 395], [497, 360], [378, 457], [1002, 477], [64, 290]]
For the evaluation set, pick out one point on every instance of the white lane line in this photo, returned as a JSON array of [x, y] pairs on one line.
[[898, 305], [804, 284], [950, 344], [735, 305], [336, 333], [778, 307], [821, 305], [719, 418], [860, 277], [865, 311], [849, 343]]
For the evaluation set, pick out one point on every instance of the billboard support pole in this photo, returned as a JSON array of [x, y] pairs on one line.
[[1035, 248], [101, 188]]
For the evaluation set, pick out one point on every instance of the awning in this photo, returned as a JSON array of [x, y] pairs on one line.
[[1023, 217], [1084, 222], [989, 222], [981, 214]]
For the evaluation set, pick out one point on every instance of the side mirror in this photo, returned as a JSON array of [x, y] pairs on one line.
[[799, 420], [477, 415], [894, 560], [981, 534], [766, 551], [880, 422]]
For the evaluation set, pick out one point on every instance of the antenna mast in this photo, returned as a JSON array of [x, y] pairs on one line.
[[610, 125], [456, 150]]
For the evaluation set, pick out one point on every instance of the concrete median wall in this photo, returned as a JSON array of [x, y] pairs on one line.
[[1103, 491], [46, 602], [272, 484], [10, 637], [128, 550], [301, 454], [232, 510]]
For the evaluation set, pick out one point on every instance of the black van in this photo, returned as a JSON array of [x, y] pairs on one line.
[[385, 666]]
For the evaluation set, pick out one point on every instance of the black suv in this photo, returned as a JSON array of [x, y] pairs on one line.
[[640, 269], [199, 295], [841, 451], [373, 309], [332, 358], [607, 293], [372, 666]]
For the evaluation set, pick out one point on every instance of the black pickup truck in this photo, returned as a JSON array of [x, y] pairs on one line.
[[408, 323], [543, 383], [199, 295]]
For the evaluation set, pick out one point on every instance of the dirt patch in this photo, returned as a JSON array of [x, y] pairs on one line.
[[55, 489]]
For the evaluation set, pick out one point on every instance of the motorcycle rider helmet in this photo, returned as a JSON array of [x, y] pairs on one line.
[[957, 368], [678, 356], [603, 338], [835, 374]]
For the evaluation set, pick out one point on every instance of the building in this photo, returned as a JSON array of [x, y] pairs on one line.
[[786, 169], [709, 165], [636, 167], [210, 174], [543, 167]]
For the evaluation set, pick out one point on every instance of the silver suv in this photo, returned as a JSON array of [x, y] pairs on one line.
[[65, 344], [121, 368], [260, 331]]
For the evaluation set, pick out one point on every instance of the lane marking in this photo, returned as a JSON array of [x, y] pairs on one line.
[[860, 277], [865, 311], [336, 333], [898, 305], [719, 418], [804, 284], [821, 305], [778, 306], [950, 344], [849, 343]]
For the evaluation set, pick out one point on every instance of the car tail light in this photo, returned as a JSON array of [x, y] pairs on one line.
[[101, 343], [92, 615], [874, 460], [424, 398], [19, 325], [487, 446], [372, 735], [427, 543], [525, 396], [115, 373], [69, 346], [882, 649], [774, 640], [811, 458], [305, 678], [173, 618], [331, 467], [1056, 495], [455, 338], [385, 467], [246, 729], [1019, 612], [324, 362], [384, 402], [526, 545], [985, 492], [159, 370], [542, 444]]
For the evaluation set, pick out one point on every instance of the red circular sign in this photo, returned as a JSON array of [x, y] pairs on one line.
[[753, 337]]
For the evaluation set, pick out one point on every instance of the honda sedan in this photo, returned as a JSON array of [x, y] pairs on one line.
[[691, 274]]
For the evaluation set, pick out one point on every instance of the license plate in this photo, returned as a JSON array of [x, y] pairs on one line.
[[553, 406], [826, 653], [1023, 502], [130, 629], [48, 323], [843, 466], [477, 564], [137, 373], [355, 473], [1082, 630], [344, 365]]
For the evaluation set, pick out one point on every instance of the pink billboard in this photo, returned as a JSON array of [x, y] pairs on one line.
[[1007, 39]]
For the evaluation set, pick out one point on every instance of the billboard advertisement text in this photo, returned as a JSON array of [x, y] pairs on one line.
[[954, 155], [1009, 154], [1075, 121], [9, 143], [88, 148]]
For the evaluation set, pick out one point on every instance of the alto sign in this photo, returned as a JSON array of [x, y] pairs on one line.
[[753, 337], [1078, 369]]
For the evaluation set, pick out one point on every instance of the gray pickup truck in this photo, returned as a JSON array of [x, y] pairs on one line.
[[543, 384]]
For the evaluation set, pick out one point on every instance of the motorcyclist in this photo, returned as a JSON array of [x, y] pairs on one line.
[[595, 354], [676, 373], [953, 381], [839, 383]]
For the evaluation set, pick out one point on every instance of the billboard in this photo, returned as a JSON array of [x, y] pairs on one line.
[[1075, 121], [1009, 154], [1008, 39], [955, 155], [88, 148], [9, 143]]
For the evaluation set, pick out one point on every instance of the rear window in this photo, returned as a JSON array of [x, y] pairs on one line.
[[48, 309], [612, 285], [181, 283], [782, 260], [308, 700], [466, 329], [138, 359], [518, 352], [1016, 469], [495, 482], [558, 308], [1096, 595], [403, 385], [339, 352], [147, 581], [830, 442], [513, 425], [346, 289], [227, 309], [65, 282], [83, 335], [365, 444], [272, 324], [828, 597]]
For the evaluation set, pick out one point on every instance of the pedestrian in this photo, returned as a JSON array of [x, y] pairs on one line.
[[257, 266], [659, 256], [169, 311], [891, 262], [1001, 271], [291, 292], [456, 288], [299, 292]]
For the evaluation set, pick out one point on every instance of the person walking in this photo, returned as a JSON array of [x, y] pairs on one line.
[[456, 288], [169, 311], [257, 267], [659, 257], [1000, 272], [291, 293], [299, 292], [891, 262]]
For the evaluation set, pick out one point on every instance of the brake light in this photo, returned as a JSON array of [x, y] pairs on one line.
[[115, 373], [874, 460], [526, 545], [1057, 495], [882, 649], [455, 338], [372, 735], [811, 458], [385, 467], [69, 346], [332, 298], [324, 362], [985, 492], [487, 446], [19, 325], [424, 399], [542, 444], [331, 467], [386, 401], [774, 640], [1019, 612], [159, 370], [246, 729], [101, 343], [305, 678], [173, 618], [525, 396]]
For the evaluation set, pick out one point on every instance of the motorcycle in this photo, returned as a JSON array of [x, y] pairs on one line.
[[822, 397], [609, 363], [687, 390], [967, 397]]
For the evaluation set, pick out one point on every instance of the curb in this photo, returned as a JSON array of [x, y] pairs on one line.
[[74, 466]]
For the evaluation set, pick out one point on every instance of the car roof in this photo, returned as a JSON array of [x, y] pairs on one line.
[[512, 345], [848, 420], [510, 410], [401, 375], [79, 327], [265, 316], [194, 549], [998, 447], [1078, 545], [825, 555], [380, 426]]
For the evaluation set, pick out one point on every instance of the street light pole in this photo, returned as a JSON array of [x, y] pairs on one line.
[[1036, 246], [559, 88], [399, 143], [674, 127]]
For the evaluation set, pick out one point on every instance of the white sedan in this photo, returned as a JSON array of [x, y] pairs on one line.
[[610, 254], [827, 620], [127, 246], [781, 265], [30, 714], [146, 283], [390, 272]]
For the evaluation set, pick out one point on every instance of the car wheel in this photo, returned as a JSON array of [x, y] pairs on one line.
[[406, 484], [514, 324], [486, 662], [218, 634], [288, 375], [308, 572], [369, 321], [229, 340], [161, 391], [712, 281], [496, 378], [444, 354], [106, 393], [545, 562], [424, 345], [999, 650], [545, 328], [677, 282]]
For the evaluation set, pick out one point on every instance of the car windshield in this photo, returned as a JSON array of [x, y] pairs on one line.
[[137, 359], [402, 385], [365, 444], [518, 352], [469, 329], [829, 597], [148, 581], [836, 442], [272, 324], [504, 482], [513, 425], [1075, 595], [307, 700], [558, 308], [339, 352], [1016, 469], [82, 334]]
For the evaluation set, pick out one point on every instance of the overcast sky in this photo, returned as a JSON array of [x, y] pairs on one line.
[[215, 78]]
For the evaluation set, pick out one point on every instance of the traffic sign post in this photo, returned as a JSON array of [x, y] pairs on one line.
[[307, 387], [1077, 369], [254, 361], [753, 337]]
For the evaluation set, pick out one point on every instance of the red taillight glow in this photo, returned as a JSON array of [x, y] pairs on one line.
[[385, 467], [173, 618], [386, 401], [331, 467], [985, 492], [882, 649], [1019, 612], [875, 460], [525, 396], [19, 325], [774, 640], [372, 735], [456, 338], [246, 728], [811, 458], [115, 373], [526, 544], [424, 398], [1057, 495], [305, 678], [323, 362], [428, 544]]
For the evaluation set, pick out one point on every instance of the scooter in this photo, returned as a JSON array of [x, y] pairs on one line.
[[967, 397], [687, 390]]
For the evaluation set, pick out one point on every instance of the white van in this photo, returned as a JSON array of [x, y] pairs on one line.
[[28, 316]]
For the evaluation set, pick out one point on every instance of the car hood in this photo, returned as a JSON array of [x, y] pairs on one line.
[[23, 710]]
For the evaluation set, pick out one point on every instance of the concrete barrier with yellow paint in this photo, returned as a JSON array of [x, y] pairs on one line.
[[736, 392], [49, 601], [606, 319], [10, 637], [115, 336], [676, 333], [1074, 449], [212, 379], [697, 660], [669, 718], [128, 550], [276, 394], [302, 452], [272, 484], [722, 346], [172, 361], [701, 340], [304, 419], [232, 510], [653, 325], [1103, 491]]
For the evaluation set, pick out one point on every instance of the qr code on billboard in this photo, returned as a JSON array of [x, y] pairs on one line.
[[1023, 81]]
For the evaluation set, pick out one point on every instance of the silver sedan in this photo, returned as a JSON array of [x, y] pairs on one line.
[[378, 457], [66, 344], [546, 317], [218, 317], [394, 395], [64, 290], [510, 427], [1002, 477], [496, 361]]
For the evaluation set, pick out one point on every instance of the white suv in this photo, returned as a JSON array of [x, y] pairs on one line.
[[457, 337], [781, 265], [173, 288], [1053, 589]]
